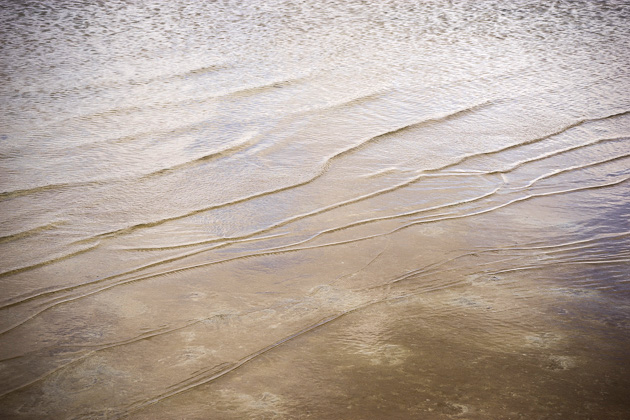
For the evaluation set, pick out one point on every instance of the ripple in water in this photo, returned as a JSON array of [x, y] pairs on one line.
[[326, 209]]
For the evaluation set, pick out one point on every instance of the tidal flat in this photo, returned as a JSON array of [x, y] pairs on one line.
[[324, 210]]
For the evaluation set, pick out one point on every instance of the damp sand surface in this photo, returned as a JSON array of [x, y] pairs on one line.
[[322, 210]]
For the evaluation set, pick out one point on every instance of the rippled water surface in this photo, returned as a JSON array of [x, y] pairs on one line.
[[320, 209]]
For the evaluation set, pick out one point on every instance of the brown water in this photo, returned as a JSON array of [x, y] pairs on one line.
[[321, 209]]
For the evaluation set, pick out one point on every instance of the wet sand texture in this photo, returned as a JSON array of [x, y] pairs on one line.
[[319, 209]]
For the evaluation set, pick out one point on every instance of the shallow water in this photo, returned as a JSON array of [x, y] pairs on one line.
[[320, 209]]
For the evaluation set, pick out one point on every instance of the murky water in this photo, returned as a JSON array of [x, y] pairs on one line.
[[321, 209]]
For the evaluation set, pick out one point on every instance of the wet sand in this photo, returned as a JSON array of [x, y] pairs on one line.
[[488, 322], [326, 210], [469, 336]]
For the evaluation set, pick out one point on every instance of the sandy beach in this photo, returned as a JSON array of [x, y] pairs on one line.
[[324, 210]]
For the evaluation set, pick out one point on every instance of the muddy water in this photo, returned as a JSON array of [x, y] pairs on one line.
[[217, 210]]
